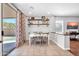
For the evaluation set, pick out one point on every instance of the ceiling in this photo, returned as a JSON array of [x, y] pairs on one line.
[[49, 9]]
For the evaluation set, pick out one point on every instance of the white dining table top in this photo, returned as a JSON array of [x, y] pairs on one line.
[[33, 35]]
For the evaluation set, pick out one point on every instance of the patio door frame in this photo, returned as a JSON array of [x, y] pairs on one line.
[[2, 27]]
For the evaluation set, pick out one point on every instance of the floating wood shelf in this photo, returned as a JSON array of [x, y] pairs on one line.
[[38, 22]]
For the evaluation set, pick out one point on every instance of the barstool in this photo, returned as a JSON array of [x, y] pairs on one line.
[[77, 37], [72, 37]]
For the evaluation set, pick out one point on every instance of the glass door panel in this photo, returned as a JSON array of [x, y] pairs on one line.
[[9, 29]]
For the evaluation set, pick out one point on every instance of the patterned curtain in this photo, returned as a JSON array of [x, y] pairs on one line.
[[23, 27], [20, 29]]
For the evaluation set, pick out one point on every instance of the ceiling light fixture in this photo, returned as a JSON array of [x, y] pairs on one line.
[[31, 7], [48, 12], [30, 12]]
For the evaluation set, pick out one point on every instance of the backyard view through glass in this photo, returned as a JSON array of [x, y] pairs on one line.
[[9, 26], [9, 23], [9, 39]]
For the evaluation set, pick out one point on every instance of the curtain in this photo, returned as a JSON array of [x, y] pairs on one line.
[[20, 29]]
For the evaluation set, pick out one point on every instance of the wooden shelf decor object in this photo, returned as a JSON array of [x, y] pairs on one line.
[[43, 21]]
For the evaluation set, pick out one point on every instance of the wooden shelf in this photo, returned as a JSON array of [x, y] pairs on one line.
[[38, 24], [38, 20]]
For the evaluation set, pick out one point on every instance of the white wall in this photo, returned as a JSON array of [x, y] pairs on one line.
[[42, 28]]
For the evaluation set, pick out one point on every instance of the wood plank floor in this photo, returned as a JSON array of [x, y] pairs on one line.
[[74, 47], [36, 50]]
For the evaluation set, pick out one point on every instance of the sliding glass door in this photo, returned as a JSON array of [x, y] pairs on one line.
[[8, 29]]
